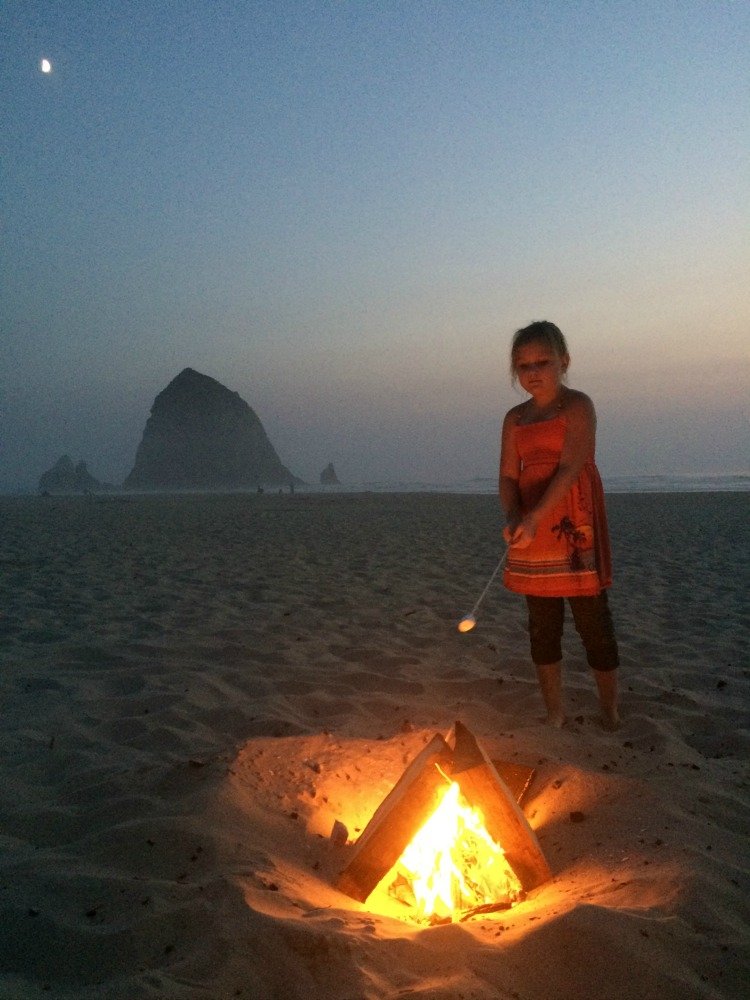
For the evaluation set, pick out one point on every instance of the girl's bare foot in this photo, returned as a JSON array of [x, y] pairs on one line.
[[555, 719], [610, 720], [606, 685], [550, 684]]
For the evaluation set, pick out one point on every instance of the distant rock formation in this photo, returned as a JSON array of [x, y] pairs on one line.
[[201, 435], [328, 476], [64, 477]]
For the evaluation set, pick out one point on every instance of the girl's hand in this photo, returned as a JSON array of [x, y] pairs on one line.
[[523, 535], [511, 528]]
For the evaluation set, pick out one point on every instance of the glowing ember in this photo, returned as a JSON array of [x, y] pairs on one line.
[[453, 864]]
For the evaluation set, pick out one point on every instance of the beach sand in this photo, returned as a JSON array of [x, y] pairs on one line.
[[194, 688]]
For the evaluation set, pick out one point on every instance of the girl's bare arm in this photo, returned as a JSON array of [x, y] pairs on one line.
[[510, 470]]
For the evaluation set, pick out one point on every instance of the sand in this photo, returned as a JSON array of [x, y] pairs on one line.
[[194, 688]]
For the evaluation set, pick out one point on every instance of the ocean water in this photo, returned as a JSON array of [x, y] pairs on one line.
[[737, 483]]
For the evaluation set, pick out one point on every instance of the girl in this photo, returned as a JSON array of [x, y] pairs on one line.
[[556, 523]]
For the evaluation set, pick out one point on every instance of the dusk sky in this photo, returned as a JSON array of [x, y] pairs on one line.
[[343, 210]]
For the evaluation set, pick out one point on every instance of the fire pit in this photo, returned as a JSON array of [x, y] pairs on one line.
[[450, 839]]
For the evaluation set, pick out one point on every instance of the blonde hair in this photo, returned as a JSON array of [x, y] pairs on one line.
[[539, 332]]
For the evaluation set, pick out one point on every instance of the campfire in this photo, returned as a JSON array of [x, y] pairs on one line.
[[450, 839]]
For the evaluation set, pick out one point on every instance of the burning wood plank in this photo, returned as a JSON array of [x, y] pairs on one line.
[[484, 789], [517, 777], [397, 818]]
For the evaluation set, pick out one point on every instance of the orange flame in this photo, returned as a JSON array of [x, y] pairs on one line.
[[452, 864]]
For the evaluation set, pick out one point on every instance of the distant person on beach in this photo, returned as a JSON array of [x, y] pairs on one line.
[[556, 522]]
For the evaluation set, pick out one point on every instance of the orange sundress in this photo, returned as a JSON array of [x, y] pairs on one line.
[[570, 553]]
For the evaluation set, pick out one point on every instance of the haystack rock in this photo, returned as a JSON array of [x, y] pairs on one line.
[[328, 476], [203, 436], [65, 477]]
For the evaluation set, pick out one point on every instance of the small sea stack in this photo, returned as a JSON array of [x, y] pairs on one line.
[[67, 477], [328, 476]]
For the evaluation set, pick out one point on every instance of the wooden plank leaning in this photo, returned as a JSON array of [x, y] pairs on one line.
[[401, 813], [484, 789]]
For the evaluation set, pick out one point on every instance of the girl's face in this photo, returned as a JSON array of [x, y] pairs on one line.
[[540, 369]]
